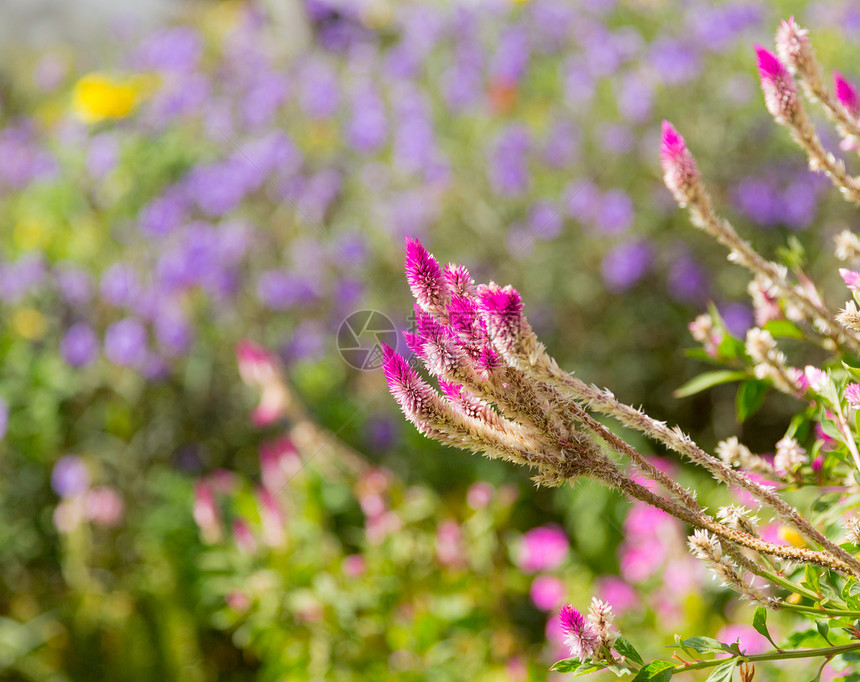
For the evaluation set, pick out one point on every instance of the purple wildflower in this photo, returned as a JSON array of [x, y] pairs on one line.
[[579, 635], [4, 418], [369, 125], [615, 214], [509, 172], [120, 285], [125, 343], [626, 264], [80, 345], [70, 476]]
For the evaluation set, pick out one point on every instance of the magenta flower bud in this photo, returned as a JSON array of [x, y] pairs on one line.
[[464, 319], [792, 44], [487, 363], [851, 278], [429, 285], [415, 343], [442, 351], [417, 400], [579, 635], [459, 279], [818, 464], [852, 395], [777, 84], [846, 93], [680, 173], [502, 310]]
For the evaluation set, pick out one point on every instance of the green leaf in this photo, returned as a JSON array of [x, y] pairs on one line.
[[783, 329], [760, 624], [749, 398], [707, 380], [566, 665], [853, 368], [723, 672], [823, 628], [810, 579], [626, 649], [854, 590], [704, 644], [577, 667], [656, 671]]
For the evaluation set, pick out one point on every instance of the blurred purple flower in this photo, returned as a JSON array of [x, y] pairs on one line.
[[308, 342], [620, 596], [172, 330], [164, 214], [601, 54], [737, 317], [625, 265], [4, 418], [79, 345], [582, 199], [543, 549], [615, 212], [169, 49], [635, 96], [545, 220], [70, 476], [368, 127], [262, 99], [751, 642], [74, 284], [21, 277], [554, 20], [319, 92], [509, 171], [757, 197], [120, 285], [799, 204], [280, 290], [512, 56], [126, 343], [686, 280], [103, 155], [561, 147], [520, 241], [676, 62], [578, 84]]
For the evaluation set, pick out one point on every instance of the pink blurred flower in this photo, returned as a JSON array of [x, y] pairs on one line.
[[272, 518], [846, 93], [851, 278], [547, 592], [479, 495], [354, 565], [69, 514], [206, 513], [543, 549], [279, 462], [104, 506], [449, 544], [238, 601], [620, 596], [852, 394], [243, 537], [751, 642]]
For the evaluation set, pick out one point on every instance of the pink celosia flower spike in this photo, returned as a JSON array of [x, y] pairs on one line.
[[846, 93], [679, 167], [415, 397], [430, 286], [579, 635], [852, 395], [792, 45], [777, 84], [460, 280], [851, 278], [502, 310]]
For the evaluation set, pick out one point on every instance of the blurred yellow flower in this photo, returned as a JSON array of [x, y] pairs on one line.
[[29, 323], [97, 96], [31, 233], [791, 536]]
